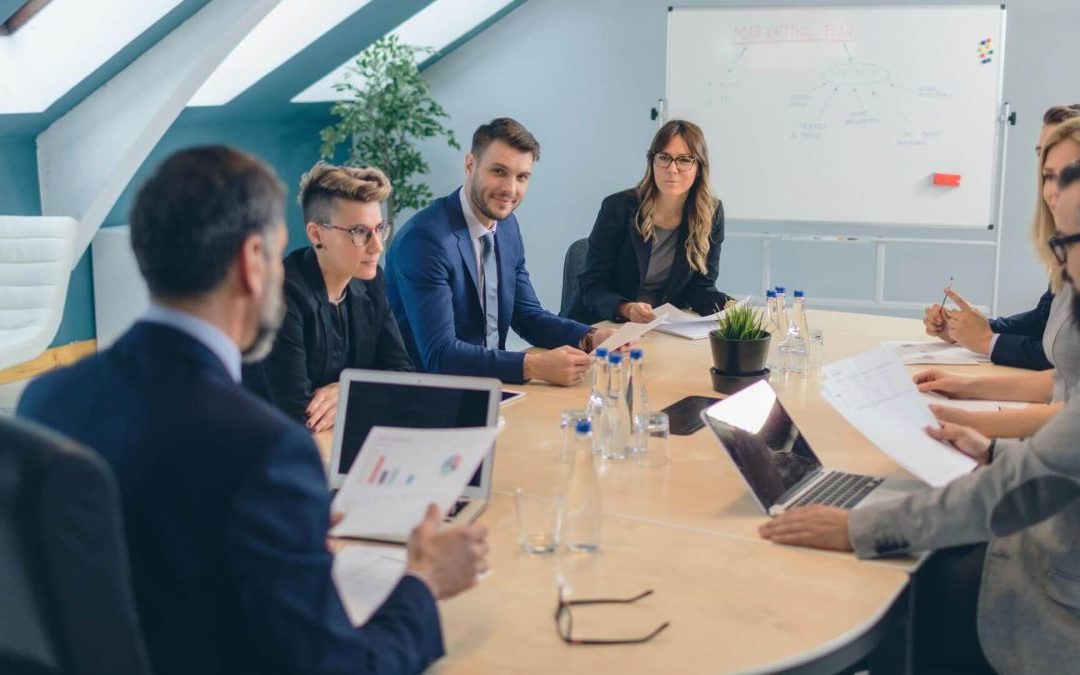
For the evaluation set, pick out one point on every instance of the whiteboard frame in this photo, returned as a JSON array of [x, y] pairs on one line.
[[997, 202]]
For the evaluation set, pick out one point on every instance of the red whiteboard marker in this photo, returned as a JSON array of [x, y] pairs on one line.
[[947, 179]]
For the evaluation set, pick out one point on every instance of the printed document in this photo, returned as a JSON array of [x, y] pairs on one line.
[[876, 395], [400, 471], [365, 576], [935, 353]]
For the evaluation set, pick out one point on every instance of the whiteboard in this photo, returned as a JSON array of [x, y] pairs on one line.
[[845, 114]]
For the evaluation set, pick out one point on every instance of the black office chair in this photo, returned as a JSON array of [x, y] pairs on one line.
[[66, 604], [573, 265]]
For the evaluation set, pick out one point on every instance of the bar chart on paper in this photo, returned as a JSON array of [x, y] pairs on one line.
[[398, 472]]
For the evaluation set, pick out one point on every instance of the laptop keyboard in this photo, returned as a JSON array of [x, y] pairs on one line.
[[844, 490], [456, 509]]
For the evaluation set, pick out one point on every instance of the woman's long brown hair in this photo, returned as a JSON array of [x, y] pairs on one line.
[[701, 203]]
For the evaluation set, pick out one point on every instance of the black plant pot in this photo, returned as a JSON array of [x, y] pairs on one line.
[[739, 357]]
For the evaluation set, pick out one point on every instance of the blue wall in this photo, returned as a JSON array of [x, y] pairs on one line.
[[291, 146]]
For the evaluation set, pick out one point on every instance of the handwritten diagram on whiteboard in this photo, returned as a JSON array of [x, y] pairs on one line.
[[862, 115]]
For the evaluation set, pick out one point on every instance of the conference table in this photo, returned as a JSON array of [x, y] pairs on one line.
[[687, 530]]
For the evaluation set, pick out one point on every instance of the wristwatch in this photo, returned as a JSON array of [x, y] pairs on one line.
[[586, 341]]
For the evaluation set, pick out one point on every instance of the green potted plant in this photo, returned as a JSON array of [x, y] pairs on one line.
[[740, 347], [386, 109]]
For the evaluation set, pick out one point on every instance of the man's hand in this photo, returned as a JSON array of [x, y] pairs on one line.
[[965, 439], [637, 312], [968, 326], [564, 366], [935, 319], [600, 335], [323, 408], [949, 386], [813, 526], [448, 561]]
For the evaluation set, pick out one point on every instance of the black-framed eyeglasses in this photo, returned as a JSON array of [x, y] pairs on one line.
[[1060, 246], [683, 162], [361, 234], [564, 620]]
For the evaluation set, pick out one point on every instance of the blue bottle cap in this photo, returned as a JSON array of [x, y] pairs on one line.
[[601, 352], [781, 289], [799, 294], [614, 359], [770, 294], [584, 426], [636, 354]]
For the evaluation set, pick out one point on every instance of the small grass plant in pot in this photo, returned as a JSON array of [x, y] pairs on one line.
[[740, 347]]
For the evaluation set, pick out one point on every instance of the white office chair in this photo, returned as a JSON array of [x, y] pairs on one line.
[[36, 258]]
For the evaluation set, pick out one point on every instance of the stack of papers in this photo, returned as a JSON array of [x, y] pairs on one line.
[[875, 394], [400, 471], [365, 576], [669, 319], [935, 352]]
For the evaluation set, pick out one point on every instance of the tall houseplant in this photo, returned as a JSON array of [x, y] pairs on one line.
[[385, 111]]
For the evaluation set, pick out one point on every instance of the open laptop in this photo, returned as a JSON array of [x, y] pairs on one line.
[[775, 459], [370, 398]]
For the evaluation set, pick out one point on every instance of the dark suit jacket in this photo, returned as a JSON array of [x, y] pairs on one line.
[[433, 290], [300, 361], [1020, 337], [618, 261], [226, 512]]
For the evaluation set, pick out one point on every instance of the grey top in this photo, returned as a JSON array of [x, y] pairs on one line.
[[1061, 342], [1026, 504], [660, 260]]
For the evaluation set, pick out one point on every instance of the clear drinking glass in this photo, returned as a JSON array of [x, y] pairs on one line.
[[651, 431], [538, 516], [816, 346]]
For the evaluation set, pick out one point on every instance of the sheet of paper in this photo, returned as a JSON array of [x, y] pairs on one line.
[[674, 321], [400, 471], [972, 404], [935, 353], [627, 332], [365, 577], [876, 395]]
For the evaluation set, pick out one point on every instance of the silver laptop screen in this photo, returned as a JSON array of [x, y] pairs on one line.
[[406, 405], [766, 446]]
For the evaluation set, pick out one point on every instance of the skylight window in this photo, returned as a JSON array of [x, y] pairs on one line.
[[438, 25], [66, 41], [284, 33]]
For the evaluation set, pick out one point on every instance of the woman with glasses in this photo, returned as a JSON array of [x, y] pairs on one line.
[[1061, 338], [337, 315], [658, 242], [1009, 340]]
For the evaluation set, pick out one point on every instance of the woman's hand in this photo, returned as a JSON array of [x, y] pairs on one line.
[[637, 312], [948, 385], [323, 408]]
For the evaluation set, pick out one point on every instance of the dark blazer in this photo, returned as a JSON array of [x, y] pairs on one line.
[[1020, 336], [299, 362], [433, 290], [618, 261], [226, 512]]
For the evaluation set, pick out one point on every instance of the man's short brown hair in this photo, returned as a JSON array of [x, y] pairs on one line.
[[507, 130], [324, 182], [1060, 113]]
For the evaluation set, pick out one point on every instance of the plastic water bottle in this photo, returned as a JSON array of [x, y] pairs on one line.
[[639, 395], [776, 332], [781, 298], [794, 348], [616, 444], [582, 517], [597, 397]]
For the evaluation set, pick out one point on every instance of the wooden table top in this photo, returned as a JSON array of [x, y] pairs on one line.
[[686, 529]]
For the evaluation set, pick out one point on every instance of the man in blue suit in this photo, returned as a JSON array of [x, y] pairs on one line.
[[224, 498], [457, 281]]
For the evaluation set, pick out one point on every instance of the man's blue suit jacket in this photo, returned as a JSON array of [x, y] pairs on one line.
[[226, 511], [431, 281]]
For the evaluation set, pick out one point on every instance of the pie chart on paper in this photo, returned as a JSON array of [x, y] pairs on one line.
[[451, 464]]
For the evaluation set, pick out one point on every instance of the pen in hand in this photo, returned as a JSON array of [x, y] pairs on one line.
[[946, 297]]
